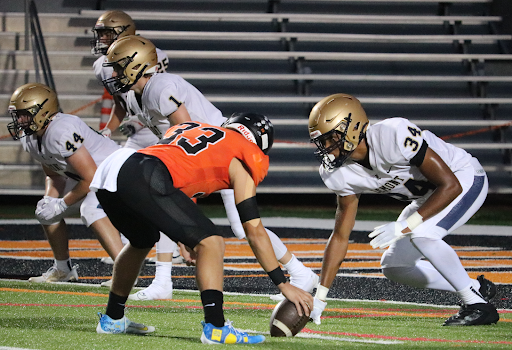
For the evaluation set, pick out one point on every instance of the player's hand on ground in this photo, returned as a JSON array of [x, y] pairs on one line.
[[49, 207], [303, 300], [384, 235], [317, 310], [188, 255]]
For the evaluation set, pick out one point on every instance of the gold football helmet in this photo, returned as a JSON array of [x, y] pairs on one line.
[[31, 107], [131, 57], [111, 26], [340, 119]]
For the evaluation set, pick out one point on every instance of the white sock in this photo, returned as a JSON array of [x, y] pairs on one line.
[[64, 265], [163, 272], [445, 260], [165, 244], [470, 295], [124, 240], [295, 267], [278, 246]]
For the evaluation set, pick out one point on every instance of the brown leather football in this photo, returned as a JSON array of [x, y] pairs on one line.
[[285, 321]]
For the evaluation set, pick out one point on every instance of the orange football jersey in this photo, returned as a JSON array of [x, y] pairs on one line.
[[198, 157]]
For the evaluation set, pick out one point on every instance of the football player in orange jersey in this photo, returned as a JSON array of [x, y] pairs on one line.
[[149, 191]]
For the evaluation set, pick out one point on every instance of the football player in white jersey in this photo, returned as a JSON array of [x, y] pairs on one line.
[[168, 97], [109, 27], [69, 152], [444, 184]]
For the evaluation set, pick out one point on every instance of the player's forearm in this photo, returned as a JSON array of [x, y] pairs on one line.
[[334, 254], [77, 193], [116, 117], [261, 246], [440, 199]]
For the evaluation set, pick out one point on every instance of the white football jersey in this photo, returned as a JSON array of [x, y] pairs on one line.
[[394, 146], [162, 96], [63, 137], [103, 73]]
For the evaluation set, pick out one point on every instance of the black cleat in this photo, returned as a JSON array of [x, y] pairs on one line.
[[474, 315], [487, 288]]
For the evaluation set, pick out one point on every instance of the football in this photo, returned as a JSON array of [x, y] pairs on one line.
[[285, 321]]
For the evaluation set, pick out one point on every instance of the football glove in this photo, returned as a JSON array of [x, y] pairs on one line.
[[106, 132], [317, 310], [49, 207], [384, 235], [130, 126]]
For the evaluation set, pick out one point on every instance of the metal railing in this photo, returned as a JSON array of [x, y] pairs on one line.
[[34, 35]]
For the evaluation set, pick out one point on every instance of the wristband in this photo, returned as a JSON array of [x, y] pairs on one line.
[[277, 276], [414, 220], [321, 292]]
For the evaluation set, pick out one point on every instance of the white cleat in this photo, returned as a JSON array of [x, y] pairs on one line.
[[307, 283], [155, 291], [107, 260], [55, 275]]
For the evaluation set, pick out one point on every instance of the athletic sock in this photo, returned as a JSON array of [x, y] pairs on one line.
[[63, 265], [163, 272], [470, 295], [115, 306], [295, 267], [213, 301]]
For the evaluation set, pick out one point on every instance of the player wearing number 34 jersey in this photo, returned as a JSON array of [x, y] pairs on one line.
[[444, 184]]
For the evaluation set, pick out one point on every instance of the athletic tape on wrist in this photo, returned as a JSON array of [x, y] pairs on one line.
[[321, 292], [277, 276], [414, 220], [248, 209]]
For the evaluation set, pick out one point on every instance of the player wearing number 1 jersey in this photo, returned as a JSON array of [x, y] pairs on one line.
[[163, 98], [444, 184], [69, 152]]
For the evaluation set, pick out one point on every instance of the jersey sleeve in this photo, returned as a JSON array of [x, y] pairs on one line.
[[170, 99], [408, 147], [65, 140], [335, 181]]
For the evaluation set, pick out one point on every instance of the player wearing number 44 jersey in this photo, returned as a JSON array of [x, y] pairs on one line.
[[163, 98], [444, 184], [149, 191], [69, 152]]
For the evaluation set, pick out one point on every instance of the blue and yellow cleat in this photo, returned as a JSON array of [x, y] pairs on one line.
[[123, 325], [227, 335]]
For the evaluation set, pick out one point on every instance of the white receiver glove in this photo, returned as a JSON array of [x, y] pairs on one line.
[[384, 235], [50, 207], [317, 310], [130, 126], [106, 132]]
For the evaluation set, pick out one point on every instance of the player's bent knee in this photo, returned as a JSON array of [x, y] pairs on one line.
[[211, 243]]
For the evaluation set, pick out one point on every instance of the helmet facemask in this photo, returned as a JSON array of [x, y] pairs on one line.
[[335, 139], [121, 82], [111, 26], [103, 38], [23, 123]]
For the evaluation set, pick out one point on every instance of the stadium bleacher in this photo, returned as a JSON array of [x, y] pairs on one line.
[[443, 65]]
